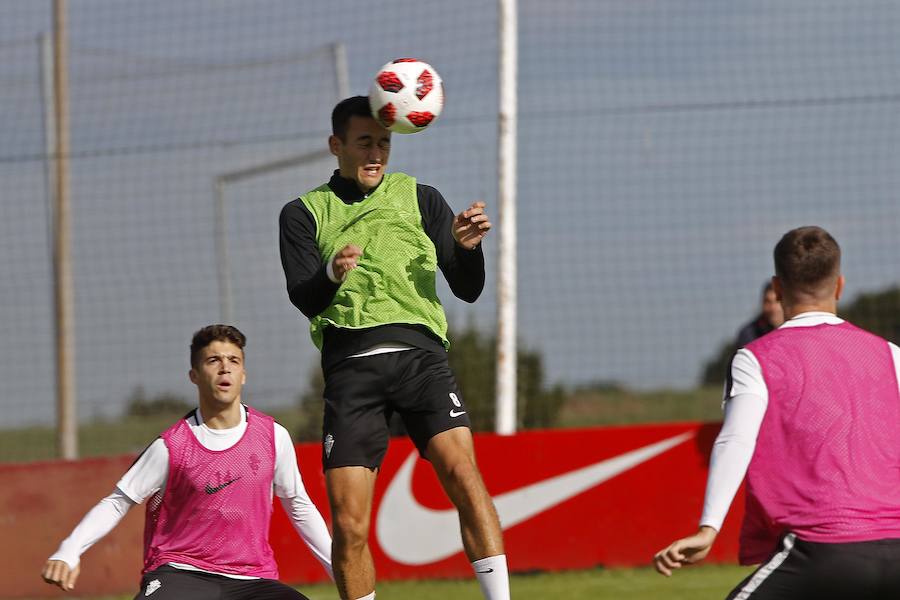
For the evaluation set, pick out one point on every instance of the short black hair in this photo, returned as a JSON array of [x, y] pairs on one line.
[[215, 333], [806, 258], [355, 106]]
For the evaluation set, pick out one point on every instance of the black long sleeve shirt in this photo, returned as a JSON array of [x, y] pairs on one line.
[[310, 289]]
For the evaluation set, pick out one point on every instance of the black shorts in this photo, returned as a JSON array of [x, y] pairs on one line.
[[169, 583], [801, 570], [362, 393]]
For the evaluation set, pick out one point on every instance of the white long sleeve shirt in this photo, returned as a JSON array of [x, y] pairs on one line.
[[150, 472], [745, 406]]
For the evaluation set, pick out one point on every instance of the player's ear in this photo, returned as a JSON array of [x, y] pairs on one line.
[[192, 375], [334, 144], [839, 289], [777, 287]]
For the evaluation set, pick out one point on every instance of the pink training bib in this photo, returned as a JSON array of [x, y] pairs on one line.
[[827, 459], [215, 510]]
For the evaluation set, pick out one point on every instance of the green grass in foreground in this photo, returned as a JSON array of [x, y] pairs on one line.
[[710, 582]]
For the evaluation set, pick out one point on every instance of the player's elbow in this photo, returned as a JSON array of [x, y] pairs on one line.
[[471, 298], [468, 291], [301, 299]]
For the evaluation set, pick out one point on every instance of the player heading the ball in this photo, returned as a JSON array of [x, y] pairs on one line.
[[360, 256]]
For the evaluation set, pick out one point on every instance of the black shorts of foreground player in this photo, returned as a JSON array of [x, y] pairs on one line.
[[812, 419], [210, 477], [360, 255]]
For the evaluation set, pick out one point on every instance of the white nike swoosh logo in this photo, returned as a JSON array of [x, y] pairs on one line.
[[454, 413], [412, 534]]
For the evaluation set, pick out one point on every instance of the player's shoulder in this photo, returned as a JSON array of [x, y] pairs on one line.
[[291, 208], [428, 191], [172, 429], [255, 413], [744, 357], [298, 203], [155, 451], [744, 374], [430, 199], [284, 444], [281, 431], [157, 448], [261, 416], [295, 213]]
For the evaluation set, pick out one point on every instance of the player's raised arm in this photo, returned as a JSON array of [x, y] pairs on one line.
[[462, 268]]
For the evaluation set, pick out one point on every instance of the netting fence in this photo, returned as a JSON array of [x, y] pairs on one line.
[[663, 147]]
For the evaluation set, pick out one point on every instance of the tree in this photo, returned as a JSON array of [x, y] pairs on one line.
[[472, 359], [878, 312], [166, 403], [716, 369], [312, 407]]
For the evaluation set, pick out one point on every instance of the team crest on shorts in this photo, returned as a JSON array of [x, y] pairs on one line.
[[152, 587], [329, 442]]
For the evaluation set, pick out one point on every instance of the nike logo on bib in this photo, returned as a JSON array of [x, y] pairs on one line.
[[456, 413], [212, 490], [412, 534]]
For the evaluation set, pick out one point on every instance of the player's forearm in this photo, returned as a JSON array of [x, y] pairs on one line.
[[309, 287], [309, 524], [314, 295], [99, 521], [465, 274], [463, 269]]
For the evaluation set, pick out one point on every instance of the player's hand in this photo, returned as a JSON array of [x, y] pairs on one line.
[[685, 551], [346, 259], [471, 225], [58, 573]]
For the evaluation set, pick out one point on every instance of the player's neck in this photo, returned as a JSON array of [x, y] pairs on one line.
[[792, 310], [821, 299], [218, 416]]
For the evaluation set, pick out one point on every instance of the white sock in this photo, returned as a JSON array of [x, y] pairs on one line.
[[493, 577], [367, 597]]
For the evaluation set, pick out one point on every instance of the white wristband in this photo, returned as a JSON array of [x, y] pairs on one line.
[[329, 271]]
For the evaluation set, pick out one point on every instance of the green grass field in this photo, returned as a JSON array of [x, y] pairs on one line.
[[130, 435], [711, 582]]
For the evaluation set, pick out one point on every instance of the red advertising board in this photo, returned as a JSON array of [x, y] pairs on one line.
[[567, 499]]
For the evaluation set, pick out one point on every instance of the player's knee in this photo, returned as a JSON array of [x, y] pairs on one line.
[[350, 530], [463, 477]]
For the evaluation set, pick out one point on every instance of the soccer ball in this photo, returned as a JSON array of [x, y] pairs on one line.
[[407, 95]]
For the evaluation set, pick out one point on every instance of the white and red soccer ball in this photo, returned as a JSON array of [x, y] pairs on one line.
[[407, 95]]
